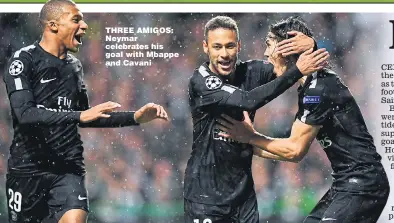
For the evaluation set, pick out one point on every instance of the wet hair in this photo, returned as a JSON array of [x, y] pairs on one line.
[[280, 29], [293, 23], [53, 10], [224, 22]]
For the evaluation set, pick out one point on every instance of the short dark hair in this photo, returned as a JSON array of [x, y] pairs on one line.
[[293, 23], [53, 9], [221, 22], [280, 29]]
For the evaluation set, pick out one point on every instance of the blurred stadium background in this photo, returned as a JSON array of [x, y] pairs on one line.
[[135, 175]]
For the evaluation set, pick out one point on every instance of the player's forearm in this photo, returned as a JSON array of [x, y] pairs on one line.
[[28, 113], [287, 148], [267, 155], [263, 94], [117, 119]]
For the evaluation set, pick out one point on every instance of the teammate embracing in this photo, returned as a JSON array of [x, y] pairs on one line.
[[329, 113], [218, 180]]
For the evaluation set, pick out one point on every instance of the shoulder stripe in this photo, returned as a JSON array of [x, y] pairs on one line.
[[228, 89], [306, 113], [314, 80], [18, 84], [16, 55], [203, 71]]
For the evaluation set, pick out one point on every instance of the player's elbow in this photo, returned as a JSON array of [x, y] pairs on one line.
[[294, 157], [23, 119], [25, 115], [297, 153], [297, 158]]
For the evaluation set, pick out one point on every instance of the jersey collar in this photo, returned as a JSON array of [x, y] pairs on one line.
[[307, 81], [235, 74], [37, 44]]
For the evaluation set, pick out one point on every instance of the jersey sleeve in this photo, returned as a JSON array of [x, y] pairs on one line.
[[17, 77], [208, 89], [17, 73], [116, 120], [266, 70], [316, 107], [83, 98]]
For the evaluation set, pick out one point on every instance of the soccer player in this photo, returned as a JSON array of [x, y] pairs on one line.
[[218, 184], [46, 172], [329, 113]]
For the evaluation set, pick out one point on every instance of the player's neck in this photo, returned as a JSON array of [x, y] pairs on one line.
[[302, 80], [51, 46]]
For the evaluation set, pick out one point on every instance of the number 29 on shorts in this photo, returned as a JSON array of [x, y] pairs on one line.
[[15, 201]]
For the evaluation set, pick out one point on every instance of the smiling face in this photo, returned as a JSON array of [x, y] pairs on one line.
[[71, 28], [222, 47]]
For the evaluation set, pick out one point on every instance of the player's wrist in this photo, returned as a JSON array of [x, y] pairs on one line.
[[296, 71], [77, 116], [253, 137], [135, 118], [311, 44]]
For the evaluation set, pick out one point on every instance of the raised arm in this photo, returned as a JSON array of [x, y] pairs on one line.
[[145, 114], [208, 89]]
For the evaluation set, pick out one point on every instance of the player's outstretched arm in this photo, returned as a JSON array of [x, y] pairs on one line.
[[307, 63], [98, 111], [291, 149], [230, 96], [112, 119], [267, 155], [243, 133]]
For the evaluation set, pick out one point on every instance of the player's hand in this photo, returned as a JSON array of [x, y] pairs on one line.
[[279, 64], [295, 45], [310, 62], [98, 111], [233, 129], [149, 112]]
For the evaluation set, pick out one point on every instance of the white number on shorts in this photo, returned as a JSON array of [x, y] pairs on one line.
[[205, 221], [15, 198]]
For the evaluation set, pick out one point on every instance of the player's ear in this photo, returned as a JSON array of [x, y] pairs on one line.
[[205, 46], [53, 26], [239, 46]]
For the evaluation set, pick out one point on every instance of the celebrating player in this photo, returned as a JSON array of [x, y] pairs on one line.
[[329, 113], [46, 172], [218, 181]]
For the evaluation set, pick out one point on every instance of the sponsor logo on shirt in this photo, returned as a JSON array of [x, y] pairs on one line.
[[311, 99]]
